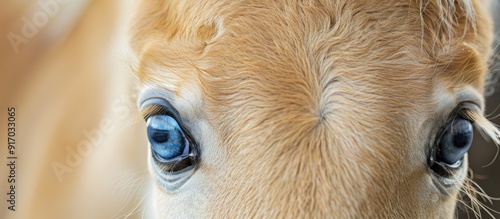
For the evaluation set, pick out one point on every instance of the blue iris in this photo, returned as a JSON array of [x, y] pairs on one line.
[[456, 141], [166, 137]]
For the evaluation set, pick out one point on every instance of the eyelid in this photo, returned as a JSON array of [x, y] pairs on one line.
[[472, 96], [158, 106], [462, 110], [153, 93], [154, 101]]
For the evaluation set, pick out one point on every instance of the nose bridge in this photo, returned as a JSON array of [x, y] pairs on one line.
[[325, 169], [310, 173]]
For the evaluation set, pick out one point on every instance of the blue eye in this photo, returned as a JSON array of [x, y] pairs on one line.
[[167, 139], [174, 152], [455, 141], [452, 143]]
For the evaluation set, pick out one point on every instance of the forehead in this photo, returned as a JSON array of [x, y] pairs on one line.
[[306, 53], [363, 38]]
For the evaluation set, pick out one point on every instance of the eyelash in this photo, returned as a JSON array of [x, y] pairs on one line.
[[154, 110]]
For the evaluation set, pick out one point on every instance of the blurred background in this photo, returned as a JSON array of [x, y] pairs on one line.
[[64, 63], [65, 68]]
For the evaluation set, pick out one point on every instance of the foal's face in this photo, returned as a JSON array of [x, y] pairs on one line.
[[314, 109]]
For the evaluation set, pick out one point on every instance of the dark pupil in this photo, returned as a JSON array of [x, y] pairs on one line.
[[166, 138], [456, 141], [160, 136]]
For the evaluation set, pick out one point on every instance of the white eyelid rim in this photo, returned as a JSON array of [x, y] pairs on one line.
[[471, 95], [152, 93]]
